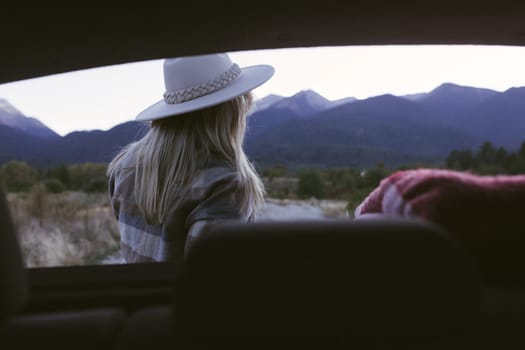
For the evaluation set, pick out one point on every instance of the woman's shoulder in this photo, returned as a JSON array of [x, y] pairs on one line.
[[215, 173], [213, 177]]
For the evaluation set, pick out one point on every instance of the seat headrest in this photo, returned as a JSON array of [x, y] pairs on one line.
[[13, 291], [331, 277], [485, 214]]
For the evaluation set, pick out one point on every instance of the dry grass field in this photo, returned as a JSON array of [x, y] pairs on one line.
[[77, 228], [69, 228], [304, 209]]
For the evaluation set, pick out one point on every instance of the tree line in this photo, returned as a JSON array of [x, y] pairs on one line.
[[350, 184], [488, 160], [354, 185], [18, 176]]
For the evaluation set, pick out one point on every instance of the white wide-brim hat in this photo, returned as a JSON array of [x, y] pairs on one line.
[[197, 82]]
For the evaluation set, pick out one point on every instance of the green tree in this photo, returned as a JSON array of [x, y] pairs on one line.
[[17, 176], [516, 164], [460, 160], [340, 182], [486, 153], [521, 153], [310, 184], [373, 176], [501, 157], [275, 171], [356, 198], [97, 184], [517, 161], [53, 185], [81, 175], [61, 173]]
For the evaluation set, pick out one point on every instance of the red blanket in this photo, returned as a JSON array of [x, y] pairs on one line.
[[461, 202]]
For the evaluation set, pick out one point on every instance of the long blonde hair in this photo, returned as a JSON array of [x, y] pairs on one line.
[[173, 151]]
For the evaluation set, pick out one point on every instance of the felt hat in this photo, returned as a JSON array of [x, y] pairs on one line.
[[197, 82]]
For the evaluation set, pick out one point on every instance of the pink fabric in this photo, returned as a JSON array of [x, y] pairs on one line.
[[458, 201]]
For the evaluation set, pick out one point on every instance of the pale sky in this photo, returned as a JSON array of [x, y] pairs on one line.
[[104, 97]]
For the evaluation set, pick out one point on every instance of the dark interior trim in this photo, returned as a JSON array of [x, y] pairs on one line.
[[43, 41], [127, 286]]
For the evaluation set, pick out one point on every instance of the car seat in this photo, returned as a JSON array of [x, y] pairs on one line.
[[371, 283], [82, 329]]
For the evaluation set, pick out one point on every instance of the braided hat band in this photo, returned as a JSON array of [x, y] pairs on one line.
[[197, 82], [196, 91]]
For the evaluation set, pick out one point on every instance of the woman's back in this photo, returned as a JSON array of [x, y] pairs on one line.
[[211, 196], [189, 170]]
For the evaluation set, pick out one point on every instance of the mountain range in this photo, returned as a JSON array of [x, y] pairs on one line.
[[307, 129]]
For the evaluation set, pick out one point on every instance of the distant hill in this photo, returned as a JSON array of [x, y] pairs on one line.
[[268, 115], [493, 116], [13, 118], [77, 147], [337, 155], [500, 119], [306, 129], [449, 102], [342, 101], [371, 126], [303, 104], [266, 101], [19, 145], [98, 146]]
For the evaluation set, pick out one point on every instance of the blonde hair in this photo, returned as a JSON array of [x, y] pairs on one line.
[[173, 151]]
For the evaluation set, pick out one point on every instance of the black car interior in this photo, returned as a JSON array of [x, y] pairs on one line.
[[373, 283]]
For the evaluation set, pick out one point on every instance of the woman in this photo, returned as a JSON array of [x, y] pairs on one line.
[[189, 170]]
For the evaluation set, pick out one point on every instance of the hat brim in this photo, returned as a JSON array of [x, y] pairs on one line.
[[250, 78]]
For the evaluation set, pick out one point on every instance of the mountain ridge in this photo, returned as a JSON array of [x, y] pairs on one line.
[[306, 125], [12, 117]]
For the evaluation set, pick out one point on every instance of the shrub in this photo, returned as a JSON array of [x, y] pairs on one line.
[[54, 185], [17, 176], [80, 175], [373, 176], [98, 184], [310, 184]]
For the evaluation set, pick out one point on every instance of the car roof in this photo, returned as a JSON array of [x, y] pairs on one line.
[[41, 39]]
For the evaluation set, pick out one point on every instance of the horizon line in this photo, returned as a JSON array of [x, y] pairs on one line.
[[281, 96]]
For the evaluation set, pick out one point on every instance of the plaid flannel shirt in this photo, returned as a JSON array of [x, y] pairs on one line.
[[210, 199]]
